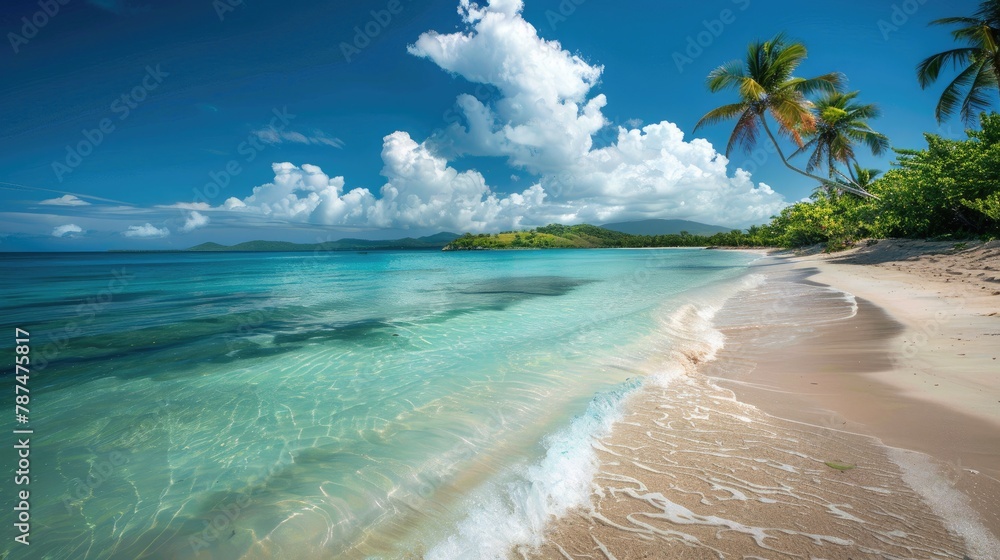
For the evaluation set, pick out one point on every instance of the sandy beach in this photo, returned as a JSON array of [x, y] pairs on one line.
[[853, 412]]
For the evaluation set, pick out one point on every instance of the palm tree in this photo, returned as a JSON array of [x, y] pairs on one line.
[[860, 177], [840, 124], [766, 86], [864, 177], [971, 91]]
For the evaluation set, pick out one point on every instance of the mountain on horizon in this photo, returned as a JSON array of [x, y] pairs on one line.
[[666, 227], [436, 241]]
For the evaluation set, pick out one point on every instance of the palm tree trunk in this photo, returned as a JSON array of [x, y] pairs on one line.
[[832, 184], [846, 178]]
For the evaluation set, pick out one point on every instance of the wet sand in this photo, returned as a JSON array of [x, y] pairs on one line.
[[742, 457]]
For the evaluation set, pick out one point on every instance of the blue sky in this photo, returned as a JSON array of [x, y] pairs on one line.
[[152, 124]]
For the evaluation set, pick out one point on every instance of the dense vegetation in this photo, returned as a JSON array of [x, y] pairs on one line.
[[585, 236], [951, 189]]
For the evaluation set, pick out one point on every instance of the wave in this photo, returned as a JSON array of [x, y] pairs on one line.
[[513, 514]]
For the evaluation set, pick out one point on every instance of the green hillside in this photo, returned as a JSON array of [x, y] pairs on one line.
[[586, 236]]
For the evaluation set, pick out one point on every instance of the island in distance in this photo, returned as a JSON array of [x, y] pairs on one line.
[[623, 234]]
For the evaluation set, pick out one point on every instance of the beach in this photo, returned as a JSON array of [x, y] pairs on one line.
[[853, 411], [660, 403]]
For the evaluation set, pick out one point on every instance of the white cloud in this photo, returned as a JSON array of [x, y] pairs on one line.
[[542, 120], [421, 191], [146, 231], [65, 200], [188, 206], [68, 229], [424, 191], [194, 221], [272, 135], [304, 194]]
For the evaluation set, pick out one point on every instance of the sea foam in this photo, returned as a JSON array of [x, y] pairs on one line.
[[514, 514]]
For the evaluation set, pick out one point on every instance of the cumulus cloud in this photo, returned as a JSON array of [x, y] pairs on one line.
[[194, 221], [422, 190], [304, 194], [272, 135], [146, 230], [68, 229], [542, 120], [65, 200]]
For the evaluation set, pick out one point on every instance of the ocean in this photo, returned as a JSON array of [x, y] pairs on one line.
[[337, 404]]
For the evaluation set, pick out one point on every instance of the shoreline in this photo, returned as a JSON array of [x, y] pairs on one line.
[[947, 325], [938, 393], [912, 368], [834, 365]]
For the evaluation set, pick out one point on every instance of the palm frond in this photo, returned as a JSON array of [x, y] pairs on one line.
[[929, 69], [726, 76], [955, 21], [725, 112], [977, 99], [952, 94], [827, 83], [745, 133], [793, 116], [786, 59]]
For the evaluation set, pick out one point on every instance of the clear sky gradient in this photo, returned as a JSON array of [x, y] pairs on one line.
[[119, 114]]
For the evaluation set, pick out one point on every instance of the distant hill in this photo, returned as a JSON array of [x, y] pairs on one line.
[[436, 241], [666, 227], [585, 236]]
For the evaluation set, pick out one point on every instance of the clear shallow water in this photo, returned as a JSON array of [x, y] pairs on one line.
[[340, 404]]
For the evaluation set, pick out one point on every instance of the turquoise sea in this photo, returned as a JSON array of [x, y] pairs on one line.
[[333, 405]]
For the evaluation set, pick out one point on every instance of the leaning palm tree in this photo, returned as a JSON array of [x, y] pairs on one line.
[[841, 124], [973, 89], [766, 87]]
